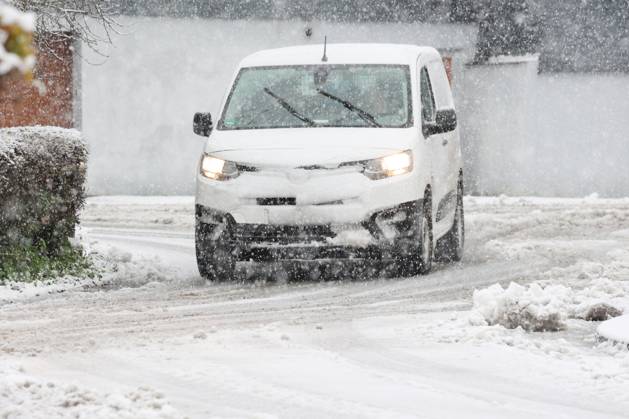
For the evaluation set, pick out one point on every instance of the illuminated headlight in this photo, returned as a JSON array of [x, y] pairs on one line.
[[388, 166], [218, 169]]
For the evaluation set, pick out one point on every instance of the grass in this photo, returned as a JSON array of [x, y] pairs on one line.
[[34, 263]]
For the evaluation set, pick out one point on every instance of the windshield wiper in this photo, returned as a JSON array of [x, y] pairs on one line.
[[289, 108], [364, 115]]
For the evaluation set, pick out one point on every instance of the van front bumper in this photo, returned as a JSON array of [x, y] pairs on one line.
[[374, 238], [277, 199], [323, 214]]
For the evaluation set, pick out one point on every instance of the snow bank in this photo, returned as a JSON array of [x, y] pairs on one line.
[[531, 308], [536, 308], [42, 176], [615, 330], [24, 396], [113, 269]]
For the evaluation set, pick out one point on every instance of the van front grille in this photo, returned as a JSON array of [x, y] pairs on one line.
[[276, 201], [282, 234]]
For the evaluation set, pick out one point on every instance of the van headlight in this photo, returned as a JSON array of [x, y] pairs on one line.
[[388, 166], [218, 169]]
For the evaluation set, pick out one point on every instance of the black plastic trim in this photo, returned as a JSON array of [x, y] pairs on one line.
[[446, 205]]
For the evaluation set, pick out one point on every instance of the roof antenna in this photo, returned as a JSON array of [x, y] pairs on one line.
[[325, 47]]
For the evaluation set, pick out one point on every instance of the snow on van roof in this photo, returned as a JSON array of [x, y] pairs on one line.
[[338, 54]]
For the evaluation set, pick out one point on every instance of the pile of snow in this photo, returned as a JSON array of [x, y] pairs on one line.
[[349, 236], [532, 308], [511, 59], [615, 330], [24, 396], [9, 16], [536, 308]]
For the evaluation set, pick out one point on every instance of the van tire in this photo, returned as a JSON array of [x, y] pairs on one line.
[[215, 258], [450, 247], [416, 251]]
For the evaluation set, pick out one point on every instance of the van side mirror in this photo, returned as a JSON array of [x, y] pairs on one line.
[[202, 124], [445, 121]]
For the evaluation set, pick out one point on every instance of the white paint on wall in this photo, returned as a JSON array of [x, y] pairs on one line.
[[549, 135], [580, 130], [493, 117]]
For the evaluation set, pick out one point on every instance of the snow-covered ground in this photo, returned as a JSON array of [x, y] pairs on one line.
[[151, 339]]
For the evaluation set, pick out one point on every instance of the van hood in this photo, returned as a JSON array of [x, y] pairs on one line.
[[296, 147]]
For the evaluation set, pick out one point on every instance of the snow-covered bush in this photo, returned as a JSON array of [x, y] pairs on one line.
[[42, 176], [16, 40]]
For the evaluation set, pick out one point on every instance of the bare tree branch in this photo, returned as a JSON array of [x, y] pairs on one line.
[[92, 22]]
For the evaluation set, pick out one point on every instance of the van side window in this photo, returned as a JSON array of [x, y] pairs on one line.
[[427, 98]]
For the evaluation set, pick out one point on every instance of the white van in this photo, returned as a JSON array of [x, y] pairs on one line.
[[347, 152]]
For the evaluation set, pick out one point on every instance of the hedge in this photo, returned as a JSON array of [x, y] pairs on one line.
[[42, 177]]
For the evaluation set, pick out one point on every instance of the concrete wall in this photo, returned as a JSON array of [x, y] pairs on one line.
[[550, 135], [137, 106], [581, 132], [493, 117]]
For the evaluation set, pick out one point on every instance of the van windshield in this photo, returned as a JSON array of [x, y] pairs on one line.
[[319, 96]]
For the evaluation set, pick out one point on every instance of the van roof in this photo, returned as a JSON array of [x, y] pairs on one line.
[[338, 54]]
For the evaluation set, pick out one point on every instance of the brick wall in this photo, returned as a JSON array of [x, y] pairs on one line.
[[50, 100]]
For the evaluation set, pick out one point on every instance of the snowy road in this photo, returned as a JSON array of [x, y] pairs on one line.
[[153, 339]]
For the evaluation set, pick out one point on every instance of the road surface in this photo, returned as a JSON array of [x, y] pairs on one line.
[[150, 338]]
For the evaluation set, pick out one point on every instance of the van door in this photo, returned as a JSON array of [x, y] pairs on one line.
[[450, 147], [435, 95]]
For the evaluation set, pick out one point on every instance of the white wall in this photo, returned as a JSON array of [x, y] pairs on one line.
[[550, 135], [137, 106], [581, 132], [493, 117]]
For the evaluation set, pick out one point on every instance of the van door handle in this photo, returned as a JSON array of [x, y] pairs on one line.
[[444, 142]]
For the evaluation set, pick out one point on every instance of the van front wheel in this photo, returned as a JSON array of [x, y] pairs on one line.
[[215, 256], [415, 252]]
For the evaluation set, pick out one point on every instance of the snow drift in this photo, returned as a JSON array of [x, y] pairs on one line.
[[25, 396], [538, 309], [615, 330]]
